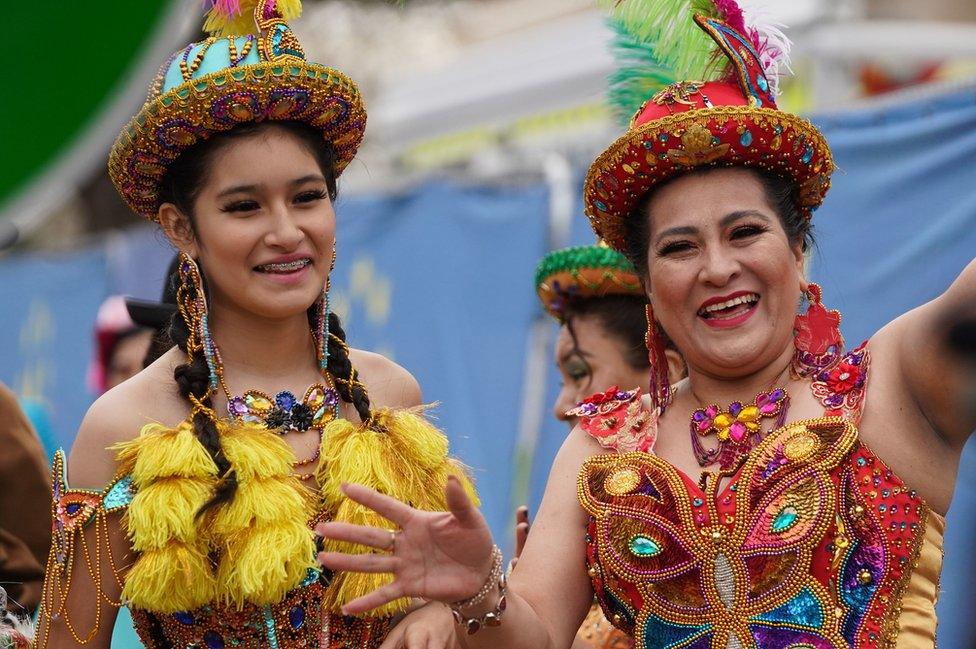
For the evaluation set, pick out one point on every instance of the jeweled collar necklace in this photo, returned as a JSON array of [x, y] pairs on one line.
[[284, 413]]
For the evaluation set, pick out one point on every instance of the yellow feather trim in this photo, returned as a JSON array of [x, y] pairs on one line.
[[261, 565], [161, 452], [254, 451], [230, 18], [436, 500], [261, 503], [261, 538], [400, 454], [165, 510], [177, 577]]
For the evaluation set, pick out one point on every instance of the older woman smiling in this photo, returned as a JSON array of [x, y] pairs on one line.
[[788, 492]]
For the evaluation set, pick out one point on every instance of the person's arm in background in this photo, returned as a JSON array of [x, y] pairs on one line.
[[25, 507]]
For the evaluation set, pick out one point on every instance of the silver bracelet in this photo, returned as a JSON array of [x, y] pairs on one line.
[[494, 616]]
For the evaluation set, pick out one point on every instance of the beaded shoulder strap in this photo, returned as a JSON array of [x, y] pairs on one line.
[[842, 387], [618, 420], [71, 511]]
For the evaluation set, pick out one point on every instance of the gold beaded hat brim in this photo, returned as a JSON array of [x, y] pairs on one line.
[[214, 85], [693, 125], [584, 272]]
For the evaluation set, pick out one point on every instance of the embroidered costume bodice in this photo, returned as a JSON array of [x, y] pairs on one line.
[[244, 574], [813, 542], [297, 619]]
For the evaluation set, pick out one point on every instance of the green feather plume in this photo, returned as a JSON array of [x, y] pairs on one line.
[[669, 26], [638, 75]]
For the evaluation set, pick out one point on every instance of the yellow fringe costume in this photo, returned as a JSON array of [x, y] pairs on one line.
[[244, 574]]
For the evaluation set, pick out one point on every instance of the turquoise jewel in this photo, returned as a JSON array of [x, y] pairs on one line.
[[644, 546], [746, 138], [762, 83], [807, 155], [697, 502], [785, 519]]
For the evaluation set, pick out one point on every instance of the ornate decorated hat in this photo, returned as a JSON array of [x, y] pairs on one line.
[[723, 113], [251, 68], [583, 272]]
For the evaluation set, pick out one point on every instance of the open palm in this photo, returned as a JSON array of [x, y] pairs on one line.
[[440, 556]]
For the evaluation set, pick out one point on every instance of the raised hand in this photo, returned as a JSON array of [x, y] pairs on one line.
[[440, 556]]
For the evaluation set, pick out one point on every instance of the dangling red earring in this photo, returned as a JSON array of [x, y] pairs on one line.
[[818, 341], [660, 388]]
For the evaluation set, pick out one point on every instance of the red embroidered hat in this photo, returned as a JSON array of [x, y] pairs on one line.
[[688, 125]]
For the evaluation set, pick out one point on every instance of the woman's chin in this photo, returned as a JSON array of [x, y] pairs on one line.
[[281, 306], [732, 358]]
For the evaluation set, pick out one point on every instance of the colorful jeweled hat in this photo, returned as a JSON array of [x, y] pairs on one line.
[[731, 119], [251, 68], [583, 272]]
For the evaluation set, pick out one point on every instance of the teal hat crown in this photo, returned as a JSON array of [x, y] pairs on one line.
[[251, 69]]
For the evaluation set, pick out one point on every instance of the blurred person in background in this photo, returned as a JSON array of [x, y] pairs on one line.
[[157, 316], [25, 508], [202, 522], [788, 492], [120, 346], [598, 299]]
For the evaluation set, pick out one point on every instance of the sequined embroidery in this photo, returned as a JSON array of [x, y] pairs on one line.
[[811, 544], [73, 509], [842, 388], [617, 419]]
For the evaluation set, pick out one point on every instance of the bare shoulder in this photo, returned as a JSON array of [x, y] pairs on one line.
[[119, 415], [389, 384]]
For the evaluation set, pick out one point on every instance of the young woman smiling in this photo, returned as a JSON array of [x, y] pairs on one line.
[[788, 492], [195, 484]]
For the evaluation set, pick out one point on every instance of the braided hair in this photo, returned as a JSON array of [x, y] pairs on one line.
[[193, 380], [340, 367], [180, 186]]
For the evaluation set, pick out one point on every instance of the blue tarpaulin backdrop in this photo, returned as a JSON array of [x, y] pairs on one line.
[[440, 279]]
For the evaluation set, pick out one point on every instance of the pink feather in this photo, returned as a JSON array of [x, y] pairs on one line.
[[227, 7], [732, 14], [753, 20]]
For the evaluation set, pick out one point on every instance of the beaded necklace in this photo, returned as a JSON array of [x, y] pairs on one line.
[[284, 413], [738, 428]]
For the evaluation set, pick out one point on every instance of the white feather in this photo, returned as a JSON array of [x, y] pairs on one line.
[[774, 46]]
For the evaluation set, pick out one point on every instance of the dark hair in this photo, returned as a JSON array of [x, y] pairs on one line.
[[622, 316], [180, 186], [781, 193]]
